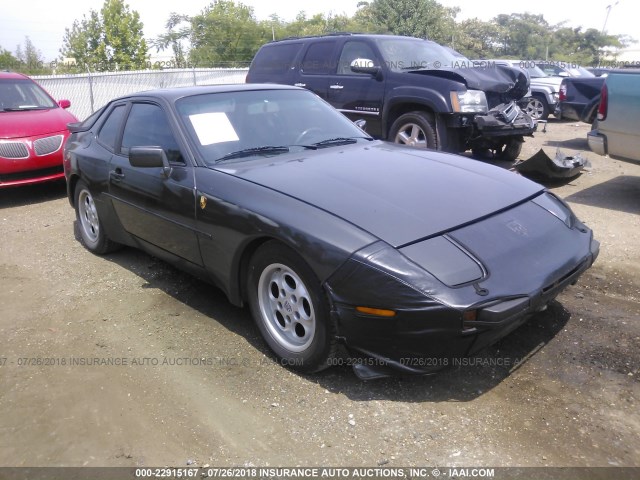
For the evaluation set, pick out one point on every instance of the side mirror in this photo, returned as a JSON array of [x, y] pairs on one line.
[[361, 123], [365, 65], [563, 74], [64, 103], [149, 157]]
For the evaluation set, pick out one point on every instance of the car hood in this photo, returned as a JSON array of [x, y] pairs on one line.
[[396, 193], [31, 123], [508, 81]]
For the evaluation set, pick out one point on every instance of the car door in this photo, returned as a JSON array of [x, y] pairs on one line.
[[152, 205], [318, 62], [357, 95]]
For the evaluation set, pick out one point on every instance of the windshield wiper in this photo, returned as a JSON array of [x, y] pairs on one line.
[[22, 108], [339, 141], [248, 152], [416, 67]]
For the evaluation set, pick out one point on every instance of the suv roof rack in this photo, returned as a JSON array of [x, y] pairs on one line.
[[332, 34]]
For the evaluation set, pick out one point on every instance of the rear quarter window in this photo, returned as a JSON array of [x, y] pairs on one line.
[[111, 128]]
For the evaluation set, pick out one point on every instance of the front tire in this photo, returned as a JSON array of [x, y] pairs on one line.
[[89, 229], [510, 150], [415, 129], [506, 151], [291, 309]]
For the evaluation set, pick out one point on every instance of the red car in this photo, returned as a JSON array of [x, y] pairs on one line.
[[33, 129]]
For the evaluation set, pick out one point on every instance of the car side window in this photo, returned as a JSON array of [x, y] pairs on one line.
[[350, 52], [317, 60], [147, 126], [276, 59], [111, 127]]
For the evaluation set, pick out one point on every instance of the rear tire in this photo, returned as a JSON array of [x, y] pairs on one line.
[[415, 129], [88, 226], [290, 309], [537, 108]]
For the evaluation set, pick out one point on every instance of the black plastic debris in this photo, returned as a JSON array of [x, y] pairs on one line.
[[541, 165]]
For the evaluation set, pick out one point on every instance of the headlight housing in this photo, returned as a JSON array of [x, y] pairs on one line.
[[557, 208], [471, 101]]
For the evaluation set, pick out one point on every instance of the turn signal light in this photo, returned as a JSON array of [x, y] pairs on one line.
[[470, 315], [378, 312]]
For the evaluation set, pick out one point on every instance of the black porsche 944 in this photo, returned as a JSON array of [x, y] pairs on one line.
[[334, 240]]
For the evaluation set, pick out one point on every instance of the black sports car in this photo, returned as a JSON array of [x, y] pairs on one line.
[[403, 256]]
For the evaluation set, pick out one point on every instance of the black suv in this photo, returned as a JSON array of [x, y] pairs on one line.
[[408, 90]]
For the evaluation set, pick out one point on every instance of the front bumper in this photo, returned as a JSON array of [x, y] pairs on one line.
[[31, 160], [505, 120], [433, 337], [597, 142]]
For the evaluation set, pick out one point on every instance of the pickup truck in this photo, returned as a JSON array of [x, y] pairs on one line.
[[579, 98], [616, 131], [408, 90]]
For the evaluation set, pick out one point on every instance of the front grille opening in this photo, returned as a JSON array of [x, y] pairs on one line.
[[561, 280], [26, 175], [48, 145], [14, 150]]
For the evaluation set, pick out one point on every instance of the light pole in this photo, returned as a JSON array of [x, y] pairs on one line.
[[609, 7]]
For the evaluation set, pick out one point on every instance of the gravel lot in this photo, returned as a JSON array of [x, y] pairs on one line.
[[196, 385]]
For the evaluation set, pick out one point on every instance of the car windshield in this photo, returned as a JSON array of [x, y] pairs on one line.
[[234, 126], [414, 54], [581, 72], [534, 71], [23, 94]]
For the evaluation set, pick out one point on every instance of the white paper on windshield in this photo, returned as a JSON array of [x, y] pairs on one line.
[[213, 127]]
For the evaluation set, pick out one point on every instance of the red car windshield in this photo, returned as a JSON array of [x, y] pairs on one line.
[[23, 94]]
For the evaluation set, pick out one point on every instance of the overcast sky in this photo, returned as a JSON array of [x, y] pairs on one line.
[[44, 21]]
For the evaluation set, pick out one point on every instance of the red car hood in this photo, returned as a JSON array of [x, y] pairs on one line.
[[31, 123]]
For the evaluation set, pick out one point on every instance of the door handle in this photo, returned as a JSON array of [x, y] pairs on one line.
[[116, 175], [337, 87]]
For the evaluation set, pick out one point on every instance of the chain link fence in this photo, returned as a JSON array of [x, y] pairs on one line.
[[90, 91]]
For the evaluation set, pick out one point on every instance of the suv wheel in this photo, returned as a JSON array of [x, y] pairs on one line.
[[537, 108], [414, 129], [507, 151]]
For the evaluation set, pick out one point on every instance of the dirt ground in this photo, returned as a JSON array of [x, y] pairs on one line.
[[123, 361]]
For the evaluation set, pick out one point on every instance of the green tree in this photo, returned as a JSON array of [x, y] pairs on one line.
[[477, 39], [105, 40], [178, 32], [318, 24], [364, 21], [416, 18], [30, 60], [523, 35], [584, 48], [226, 34], [7, 60]]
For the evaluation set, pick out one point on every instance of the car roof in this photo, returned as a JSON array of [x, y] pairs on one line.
[[343, 34], [15, 75], [505, 60], [172, 94]]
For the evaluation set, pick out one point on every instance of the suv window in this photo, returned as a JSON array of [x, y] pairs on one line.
[[276, 58], [317, 60], [147, 126], [111, 127], [351, 51]]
